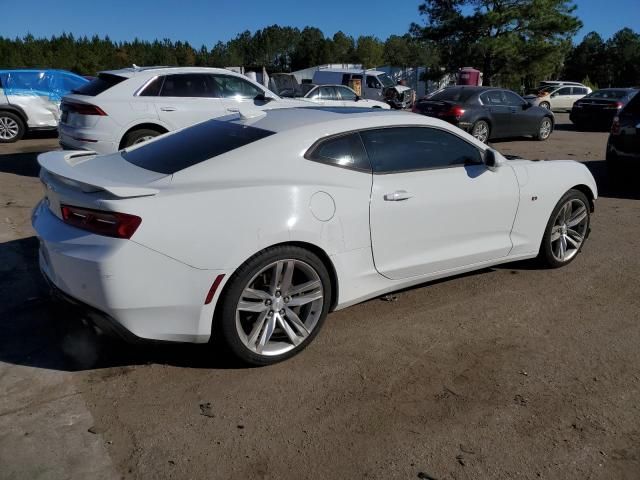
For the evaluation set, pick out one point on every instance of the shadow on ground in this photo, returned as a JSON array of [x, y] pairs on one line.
[[24, 164], [38, 332]]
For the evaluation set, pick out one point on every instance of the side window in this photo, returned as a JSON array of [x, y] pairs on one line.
[[347, 94], [343, 151], [493, 97], [372, 82], [564, 91], [152, 89], [579, 91], [186, 85], [402, 149], [71, 83], [633, 106], [328, 93], [226, 86], [314, 94], [345, 79], [512, 99]]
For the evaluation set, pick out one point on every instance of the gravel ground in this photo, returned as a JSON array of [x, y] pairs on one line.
[[510, 372]]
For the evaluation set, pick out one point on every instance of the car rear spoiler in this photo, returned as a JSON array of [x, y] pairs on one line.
[[64, 164]]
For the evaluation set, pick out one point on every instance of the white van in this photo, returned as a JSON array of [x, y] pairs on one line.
[[373, 82]]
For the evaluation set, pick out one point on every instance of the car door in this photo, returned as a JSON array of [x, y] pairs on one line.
[[373, 88], [237, 93], [495, 103], [329, 97], [576, 94], [561, 99], [348, 97], [522, 122], [185, 99], [435, 206]]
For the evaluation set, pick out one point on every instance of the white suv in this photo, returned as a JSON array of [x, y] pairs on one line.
[[124, 107], [558, 95]]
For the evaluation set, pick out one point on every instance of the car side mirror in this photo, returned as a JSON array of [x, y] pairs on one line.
[[358, 97], [554, 95], [526, 105], [261, 97], [490, 160]]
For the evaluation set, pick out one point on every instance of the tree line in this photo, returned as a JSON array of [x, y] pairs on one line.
[[279, 49], [516, 43]]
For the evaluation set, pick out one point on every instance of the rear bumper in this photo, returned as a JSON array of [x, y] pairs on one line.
[[600, 118], [73, 138], [620, 153], [141, 293]]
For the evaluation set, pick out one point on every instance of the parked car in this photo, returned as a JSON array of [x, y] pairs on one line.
[[558, 97], [337, 96], [30, 100], [488, 112], [250, 230], [599, 108], [124, 107], [623, 146], [373, 82]]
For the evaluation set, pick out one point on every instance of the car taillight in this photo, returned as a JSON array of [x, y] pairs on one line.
[[616, 106], [83, 109], [110, 224], [456, 111], [615, 126]]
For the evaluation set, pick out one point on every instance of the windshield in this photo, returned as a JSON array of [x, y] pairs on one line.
[[386, 80], [193, 145]]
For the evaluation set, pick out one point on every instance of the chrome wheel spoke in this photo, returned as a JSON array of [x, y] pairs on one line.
[[295, 339], [251, 306], [555, 233], [562, 247], [255, 294], [577, 217], [266, 333], [573, 242], [287, 275], [304, 287], [304, 299], [299, 324], [257, 328]]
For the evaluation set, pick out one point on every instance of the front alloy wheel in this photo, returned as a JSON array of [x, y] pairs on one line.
[[280, 298], [567, 229], [545, 129]]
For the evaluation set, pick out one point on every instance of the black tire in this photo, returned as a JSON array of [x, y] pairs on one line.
[[542, 135], [546, 105], [546, 255], [138, 136], [225, 317], [12, 127], [478, 129]]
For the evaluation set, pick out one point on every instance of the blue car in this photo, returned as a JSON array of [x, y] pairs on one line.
[[30, 100]]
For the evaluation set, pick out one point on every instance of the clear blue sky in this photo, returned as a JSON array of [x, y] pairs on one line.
[[206, 22]]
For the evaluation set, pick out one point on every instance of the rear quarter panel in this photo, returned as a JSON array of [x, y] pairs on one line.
[[217, 214]]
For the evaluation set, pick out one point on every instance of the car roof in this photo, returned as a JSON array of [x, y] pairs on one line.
[[332, 120], [130, 72], [350, 70], [36, 70]]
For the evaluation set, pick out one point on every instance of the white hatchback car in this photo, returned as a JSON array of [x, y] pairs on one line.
[[558, 97], [251, 229], [124, 107]]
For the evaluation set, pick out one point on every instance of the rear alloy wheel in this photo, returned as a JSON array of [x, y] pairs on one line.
[[11, 127], [140, 136], [566, 230], [481, 131], [545, 129], [546, 105], [275, 304]]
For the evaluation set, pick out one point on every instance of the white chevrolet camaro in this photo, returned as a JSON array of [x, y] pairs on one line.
[[251, 228]]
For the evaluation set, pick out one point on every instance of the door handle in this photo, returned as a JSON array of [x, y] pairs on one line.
[[397, 196], [168, 109]]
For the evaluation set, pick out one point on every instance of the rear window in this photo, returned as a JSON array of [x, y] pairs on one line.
[[193, 145], [453, 94], [615, 94], [98, 85], [633, 106]]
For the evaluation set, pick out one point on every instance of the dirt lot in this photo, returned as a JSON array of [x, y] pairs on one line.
[[511, 372]]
